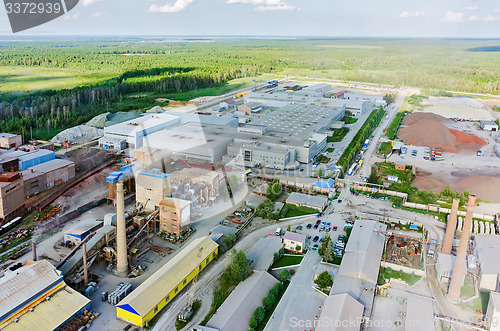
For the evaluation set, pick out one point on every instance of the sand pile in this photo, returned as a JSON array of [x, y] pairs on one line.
[[417, 117], [425, 129], [79, 134]]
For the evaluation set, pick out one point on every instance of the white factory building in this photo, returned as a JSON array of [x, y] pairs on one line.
[[486, 248], [133, 133]]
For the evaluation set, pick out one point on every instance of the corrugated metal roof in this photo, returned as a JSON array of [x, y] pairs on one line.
[[24, 283], [147, 295], [340, 308], [238, 308], [48, 315], [311, 200], [364, 251], [52, 165]]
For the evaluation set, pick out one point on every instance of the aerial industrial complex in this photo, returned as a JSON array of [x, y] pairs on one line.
[[292, 206]]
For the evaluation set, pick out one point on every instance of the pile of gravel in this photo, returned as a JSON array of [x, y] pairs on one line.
[[79, 134]]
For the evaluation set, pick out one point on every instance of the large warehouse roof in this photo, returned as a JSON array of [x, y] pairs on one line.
[[261, 254], [147, 295], [49, 315], [145, 122], [340, 312], [364, 251], [318, 201], [20, 285], [487, 248], [52, 165], [236, 311]]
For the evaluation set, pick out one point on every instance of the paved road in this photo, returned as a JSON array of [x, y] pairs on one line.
[[208, 279], [300, 301]]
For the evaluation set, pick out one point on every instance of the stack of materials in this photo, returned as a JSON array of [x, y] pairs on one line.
[[122, 290]]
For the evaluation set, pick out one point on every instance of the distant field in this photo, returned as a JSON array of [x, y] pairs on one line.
[[29, 79]]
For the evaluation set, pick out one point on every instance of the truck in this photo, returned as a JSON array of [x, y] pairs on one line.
[[272, 83], [479, 153], [351, 169], [367, 141], [278, 231], [432, 248]]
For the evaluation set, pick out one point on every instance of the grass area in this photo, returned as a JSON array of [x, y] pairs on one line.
[[270, 312], [410, 279], [31, 79], [349, 120], [479, 304], [496, 108], [330, 149], [385, 148], [392, 130], [467, 290], [416, 100], [294, 211], [14, 243], [338, 135], [286, 261], [323, 159]]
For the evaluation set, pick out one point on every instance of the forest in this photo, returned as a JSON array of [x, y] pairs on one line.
[[51, 84]]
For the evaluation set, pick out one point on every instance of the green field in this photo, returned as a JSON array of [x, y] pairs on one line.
[[294, 211], [338, 135], [392, 130], [286, 261], [29, 79], [52, 84], [410, 279], [385, 148]]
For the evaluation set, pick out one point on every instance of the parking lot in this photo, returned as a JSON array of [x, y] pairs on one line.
[[333, 222]]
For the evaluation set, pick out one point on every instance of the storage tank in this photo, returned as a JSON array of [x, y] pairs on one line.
[[481, 227], [476, 227], [460, 224], [492, 228]]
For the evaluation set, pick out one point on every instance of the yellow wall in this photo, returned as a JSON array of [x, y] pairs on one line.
[[141, 321]]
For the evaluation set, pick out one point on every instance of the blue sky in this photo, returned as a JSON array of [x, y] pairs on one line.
[[361, 18]]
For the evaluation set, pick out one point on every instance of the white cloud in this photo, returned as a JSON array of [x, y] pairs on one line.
[[472, 18], [415, 14], [72, 17], [496, 11], [177, 6], [471, 8], [89, 2], [452, 17], [98, 14], [490, 18], [265, 5]]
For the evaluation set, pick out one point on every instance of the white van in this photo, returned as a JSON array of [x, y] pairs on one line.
[[278, 231]]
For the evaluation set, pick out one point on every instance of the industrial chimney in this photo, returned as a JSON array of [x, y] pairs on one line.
[[33, 249], [121, 235], [458, 269], [450, 228]]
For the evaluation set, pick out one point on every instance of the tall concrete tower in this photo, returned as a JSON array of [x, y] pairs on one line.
[[121, 235], [450, 228], [458, 269]]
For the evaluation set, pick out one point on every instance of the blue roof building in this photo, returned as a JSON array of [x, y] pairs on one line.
[[329, 183]]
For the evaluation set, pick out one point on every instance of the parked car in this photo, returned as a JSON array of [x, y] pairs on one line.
[[321, 240], [299, 227], [328, 224], [315, 247], [339, 200], [341, 237], [318, 222], [328, 229], [309, 225], [334, 228], [316, 238], [315, 226], [322, 228], [323, 223]]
